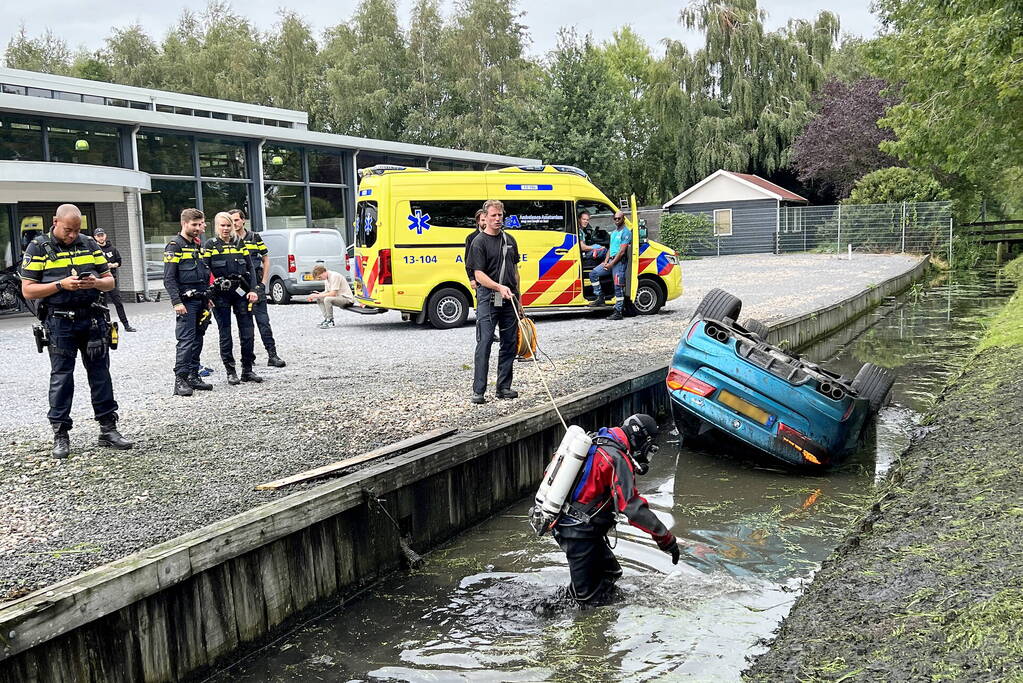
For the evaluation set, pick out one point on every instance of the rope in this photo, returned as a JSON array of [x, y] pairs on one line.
[[520, 315]]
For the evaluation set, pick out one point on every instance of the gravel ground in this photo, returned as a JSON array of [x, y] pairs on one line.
[[346, 390]]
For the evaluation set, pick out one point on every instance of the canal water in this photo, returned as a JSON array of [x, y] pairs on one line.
[[490, 605]]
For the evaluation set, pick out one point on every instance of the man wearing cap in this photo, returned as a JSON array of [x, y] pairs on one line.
[[113, 257]]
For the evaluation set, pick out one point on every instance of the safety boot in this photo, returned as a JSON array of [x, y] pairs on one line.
[[196, 382], [109, 436], [275, 361], [249, 376], [61, 442], [181, 386], [232, 376]]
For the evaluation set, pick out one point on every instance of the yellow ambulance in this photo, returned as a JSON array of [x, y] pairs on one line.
[[411, 226]]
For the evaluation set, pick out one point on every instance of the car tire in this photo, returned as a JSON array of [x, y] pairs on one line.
[[873, 383], [649, 297], [756, 327], [447, 308], [718, 305], [279, 292]]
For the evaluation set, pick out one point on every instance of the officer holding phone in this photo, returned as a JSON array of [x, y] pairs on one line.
[[66, 272]]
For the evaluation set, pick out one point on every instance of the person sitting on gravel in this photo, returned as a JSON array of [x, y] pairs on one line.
[[337, 292]]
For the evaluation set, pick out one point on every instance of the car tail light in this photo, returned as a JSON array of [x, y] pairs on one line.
[[698, 387], [800, 442], [676, 379], [692, 328], [292, 268], [385, 267], [348, 265]]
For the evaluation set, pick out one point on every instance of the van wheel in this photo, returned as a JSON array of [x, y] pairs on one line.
[[718, 305], [649, 297], [447, 308], [278, 292]]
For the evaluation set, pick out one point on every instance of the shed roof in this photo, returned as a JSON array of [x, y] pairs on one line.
[[765, 188]]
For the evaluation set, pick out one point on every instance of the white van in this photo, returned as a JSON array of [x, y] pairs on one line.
[[293, 255]]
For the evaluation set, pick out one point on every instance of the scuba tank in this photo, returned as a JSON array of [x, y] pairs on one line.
[[558, 479]]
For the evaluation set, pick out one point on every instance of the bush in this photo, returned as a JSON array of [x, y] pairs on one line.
[[895, 185], [684, 232]]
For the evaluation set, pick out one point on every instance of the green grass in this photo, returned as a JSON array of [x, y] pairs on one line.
[[1006, 329]]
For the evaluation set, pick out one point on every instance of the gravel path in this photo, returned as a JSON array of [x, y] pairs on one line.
[[370, 381]]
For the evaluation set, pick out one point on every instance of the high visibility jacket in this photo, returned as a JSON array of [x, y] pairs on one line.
[[256, 249], [48, 260], [230, 259], [184, 268]]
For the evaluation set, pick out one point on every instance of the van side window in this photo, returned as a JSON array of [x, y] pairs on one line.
[[540, 214], [366, 225], [448, 214]]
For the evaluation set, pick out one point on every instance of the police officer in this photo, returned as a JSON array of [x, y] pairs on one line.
[[260, 257], [234, 289], [186, 277], [608, 486], [113, 257], [66, 271]]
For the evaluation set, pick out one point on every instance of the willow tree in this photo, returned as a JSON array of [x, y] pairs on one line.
[[751, 88]]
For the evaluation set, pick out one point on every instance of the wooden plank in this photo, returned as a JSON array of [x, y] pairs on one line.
[[982, 224], [247, 590], [219, 624], [393, 449]]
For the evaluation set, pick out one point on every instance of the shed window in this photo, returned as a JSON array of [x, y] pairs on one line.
[[722, 222]]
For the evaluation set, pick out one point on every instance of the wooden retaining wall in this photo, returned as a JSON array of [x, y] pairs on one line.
[[174, 610]]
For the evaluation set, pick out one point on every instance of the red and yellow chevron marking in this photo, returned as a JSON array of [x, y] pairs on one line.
[[554, 286], [368, 281]]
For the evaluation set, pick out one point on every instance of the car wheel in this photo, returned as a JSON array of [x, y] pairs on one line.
[[649, 298], [447, 308], [873, 383], [718, 305], [756, 327], [278, 292]]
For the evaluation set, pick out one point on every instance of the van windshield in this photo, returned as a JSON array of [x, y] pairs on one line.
[[366, 224]]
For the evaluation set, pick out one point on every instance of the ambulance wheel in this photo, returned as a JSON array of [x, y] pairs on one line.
[[278, 292], [649, 297], [718, 305], [447, 308]]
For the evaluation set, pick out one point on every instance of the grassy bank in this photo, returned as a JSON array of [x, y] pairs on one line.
[[930, 585]]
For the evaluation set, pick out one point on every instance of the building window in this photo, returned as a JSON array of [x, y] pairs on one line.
[[161, 218], [282, 162], [325, 167], [222, 159], [327, 207], [84, 143], [217, 197], [12, 89], [20, 139], [722, 222], [162, 154], [285, 206]]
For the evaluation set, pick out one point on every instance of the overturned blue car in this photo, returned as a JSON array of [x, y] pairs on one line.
[[726, 379]]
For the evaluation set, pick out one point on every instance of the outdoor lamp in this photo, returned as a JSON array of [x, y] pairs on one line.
[[82, 145]]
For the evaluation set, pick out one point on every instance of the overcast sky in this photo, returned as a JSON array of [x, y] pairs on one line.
[[88, 23]]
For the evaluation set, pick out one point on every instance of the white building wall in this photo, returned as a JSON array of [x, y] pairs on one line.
[[722, 189]]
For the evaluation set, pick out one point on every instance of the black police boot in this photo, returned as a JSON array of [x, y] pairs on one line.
[[232, 376], [196, 382], [181, 386], [249, 376], [61, 442], [129, 328], [275, 361], [110, 437]]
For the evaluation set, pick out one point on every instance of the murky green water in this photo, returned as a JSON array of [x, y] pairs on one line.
[[489, 607]]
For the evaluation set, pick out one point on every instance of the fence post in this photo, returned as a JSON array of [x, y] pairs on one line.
[[903, 227], [838, 249], [950, 238], [777, 226]]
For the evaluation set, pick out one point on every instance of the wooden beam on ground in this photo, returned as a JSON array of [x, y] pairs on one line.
[[396, 448]]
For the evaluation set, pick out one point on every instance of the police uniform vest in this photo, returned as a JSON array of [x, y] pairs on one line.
[[192, 272], [255, 248], [46, 260], [227, 259]]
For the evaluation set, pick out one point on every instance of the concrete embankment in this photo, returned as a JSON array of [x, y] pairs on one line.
[[173, 610], [930, 584]]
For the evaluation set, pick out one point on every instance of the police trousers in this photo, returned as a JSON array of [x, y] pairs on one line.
[[489, 318], [591, 564], [266, 333], [223, 305], [189, 334], [89, 336]]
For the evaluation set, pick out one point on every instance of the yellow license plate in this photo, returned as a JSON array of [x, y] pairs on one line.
[[307, 276], [743, 407]]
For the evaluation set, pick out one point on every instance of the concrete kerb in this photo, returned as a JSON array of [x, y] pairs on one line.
[[61, 608]]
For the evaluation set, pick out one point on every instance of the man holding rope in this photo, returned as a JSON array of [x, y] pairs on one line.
[[493, 259]]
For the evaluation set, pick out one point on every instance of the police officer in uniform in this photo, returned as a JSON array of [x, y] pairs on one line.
[[186, 277], [66, 272], [113, 257], [260, 257], [234, 289]]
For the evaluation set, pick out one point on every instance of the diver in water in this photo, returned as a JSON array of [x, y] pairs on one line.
[[606, 486]]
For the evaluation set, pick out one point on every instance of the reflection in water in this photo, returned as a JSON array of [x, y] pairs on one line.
[[491, 605]]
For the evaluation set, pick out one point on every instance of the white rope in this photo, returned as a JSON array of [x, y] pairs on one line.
[[520, 315]]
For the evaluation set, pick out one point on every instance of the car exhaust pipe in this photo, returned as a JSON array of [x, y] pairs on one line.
[[832, 391], [837, 393], [717, 333]]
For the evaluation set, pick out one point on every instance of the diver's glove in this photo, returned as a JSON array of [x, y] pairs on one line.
[[670, 546]]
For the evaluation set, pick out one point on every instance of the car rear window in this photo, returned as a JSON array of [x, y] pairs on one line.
[[326, 243]]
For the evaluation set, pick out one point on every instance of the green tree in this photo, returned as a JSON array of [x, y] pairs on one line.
[[292, 67], [133, 58], [424, 122], [48, 54], [895, 185]]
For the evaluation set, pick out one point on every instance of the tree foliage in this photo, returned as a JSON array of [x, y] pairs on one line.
[[686, 232], [895, 185]]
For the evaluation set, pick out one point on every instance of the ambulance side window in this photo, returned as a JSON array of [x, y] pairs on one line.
[[366, 224], [448, 214], [538, 214], [601, 221]]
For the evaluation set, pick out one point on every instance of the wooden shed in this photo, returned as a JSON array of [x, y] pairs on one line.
[[744, 209]]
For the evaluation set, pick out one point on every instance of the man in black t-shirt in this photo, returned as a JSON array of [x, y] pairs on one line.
[[494, 259]]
